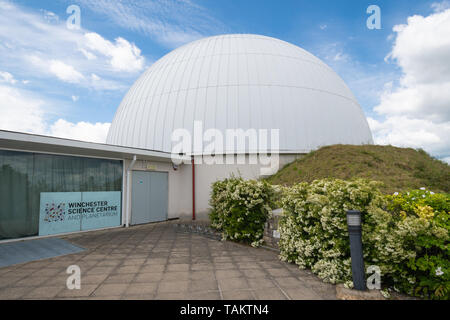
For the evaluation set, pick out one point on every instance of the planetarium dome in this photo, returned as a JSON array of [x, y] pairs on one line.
[[240, 81]]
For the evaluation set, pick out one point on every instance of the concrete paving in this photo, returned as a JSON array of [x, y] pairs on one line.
[[156, 261]]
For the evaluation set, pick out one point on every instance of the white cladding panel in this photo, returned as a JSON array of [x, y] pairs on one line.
[[240, 82]]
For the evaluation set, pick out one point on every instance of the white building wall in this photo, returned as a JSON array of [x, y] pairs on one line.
[[180, 183], [206, 175], [180, 190]]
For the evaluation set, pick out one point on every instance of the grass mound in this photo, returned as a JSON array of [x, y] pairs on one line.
[[399, 169]]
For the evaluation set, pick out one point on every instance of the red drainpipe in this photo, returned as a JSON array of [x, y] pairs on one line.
[[193, 188]]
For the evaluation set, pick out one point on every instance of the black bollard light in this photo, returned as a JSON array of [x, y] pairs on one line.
[[356, 249]]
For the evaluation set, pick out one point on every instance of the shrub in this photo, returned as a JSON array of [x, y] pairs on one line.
[[240, 208], [413, 202], [313, 228], [417, 250], [406, 235]]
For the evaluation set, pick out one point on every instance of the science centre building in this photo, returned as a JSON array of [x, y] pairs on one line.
[[240, 82]]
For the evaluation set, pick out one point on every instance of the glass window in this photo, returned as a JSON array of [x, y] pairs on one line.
[[24, 176]]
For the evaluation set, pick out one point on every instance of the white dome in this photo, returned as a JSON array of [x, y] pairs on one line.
[[240, 81]]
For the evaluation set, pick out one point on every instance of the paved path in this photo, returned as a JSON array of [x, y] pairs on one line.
[[157, 262]]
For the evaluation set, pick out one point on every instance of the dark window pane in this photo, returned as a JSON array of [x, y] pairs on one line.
[[23, 176]]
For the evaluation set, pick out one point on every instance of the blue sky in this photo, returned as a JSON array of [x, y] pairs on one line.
[[53, 75]]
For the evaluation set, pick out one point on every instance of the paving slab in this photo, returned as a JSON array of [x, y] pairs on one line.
[[155, 261]]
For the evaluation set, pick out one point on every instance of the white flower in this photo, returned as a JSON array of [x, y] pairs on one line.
[[439, 272], [431, 192], [385, 293], [395, 193], [423, 188]]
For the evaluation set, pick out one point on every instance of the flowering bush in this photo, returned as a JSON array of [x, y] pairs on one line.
[[313, 228], [418, 203], [417, 250], [240, 208], [406, 235]]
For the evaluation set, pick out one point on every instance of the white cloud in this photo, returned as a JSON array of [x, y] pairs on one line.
[[417, 112], [440, 6], [87, 54], [21, 111], [429, 101], [332, 53], [171, 23], [95, 77], [404, 131], [84, 131], [340, 56], [65, 72], [421, 47], [124, 56], [35, 48], [7, 77], [49, 16]]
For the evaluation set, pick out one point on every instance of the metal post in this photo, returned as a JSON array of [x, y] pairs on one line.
[[193, 187], [356, 249]]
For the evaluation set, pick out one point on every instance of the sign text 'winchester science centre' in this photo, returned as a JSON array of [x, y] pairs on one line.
[[62, 212]]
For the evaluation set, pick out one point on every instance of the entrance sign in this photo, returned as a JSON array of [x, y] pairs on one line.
[[106, 210], [53, 217], [62, 212]]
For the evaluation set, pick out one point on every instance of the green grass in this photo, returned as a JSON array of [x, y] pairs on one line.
[[399, 169]]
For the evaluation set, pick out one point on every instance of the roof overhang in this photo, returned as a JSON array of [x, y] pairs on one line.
[[44, 144]]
